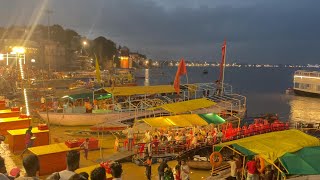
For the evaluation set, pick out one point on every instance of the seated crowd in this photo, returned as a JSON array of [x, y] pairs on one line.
[[174, 140], [32, 166]]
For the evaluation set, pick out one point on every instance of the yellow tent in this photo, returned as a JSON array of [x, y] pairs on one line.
[[185, 120], [273, 145], [185, 106]]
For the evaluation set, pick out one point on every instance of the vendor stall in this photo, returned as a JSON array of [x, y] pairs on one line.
[[6, 113]]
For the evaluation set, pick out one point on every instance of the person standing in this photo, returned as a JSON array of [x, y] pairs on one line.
[[130, 134], [233, 168], [185, 170], [31, 166], [163, 165], [251, 169], [85, 146], [148, 164], [28, 139]]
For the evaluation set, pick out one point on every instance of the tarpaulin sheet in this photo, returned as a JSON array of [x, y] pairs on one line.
[[185, 106], [303, 162], [271, 146]]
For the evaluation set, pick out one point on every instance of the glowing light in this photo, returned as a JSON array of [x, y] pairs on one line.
[[84, 43], [26, 101], [33, 60], [1, 57], [21, 69], [18, 50], [307, 77]]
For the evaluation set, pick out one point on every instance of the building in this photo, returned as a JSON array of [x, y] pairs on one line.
[[125, 62]]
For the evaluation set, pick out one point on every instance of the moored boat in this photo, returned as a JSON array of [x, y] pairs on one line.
[[307, 83]]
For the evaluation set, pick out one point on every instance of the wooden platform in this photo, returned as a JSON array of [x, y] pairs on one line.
[[16, 139], [6, 113], [90, 168], [119, 156], [13, 123], [52, 158]]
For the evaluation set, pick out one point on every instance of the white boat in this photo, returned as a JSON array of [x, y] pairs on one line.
[[142, 98], [307, 83]]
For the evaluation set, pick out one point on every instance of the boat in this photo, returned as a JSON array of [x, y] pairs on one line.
[[203, 165], [129, 103], [307, 83]]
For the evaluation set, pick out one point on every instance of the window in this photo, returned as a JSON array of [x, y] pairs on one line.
[[318, 88], [296, 85]]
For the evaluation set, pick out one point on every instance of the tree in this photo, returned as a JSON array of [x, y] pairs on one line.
[[104, 49], [57, 33]]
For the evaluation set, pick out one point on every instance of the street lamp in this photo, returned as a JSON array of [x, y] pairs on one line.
[[84, 43], [20, 51]]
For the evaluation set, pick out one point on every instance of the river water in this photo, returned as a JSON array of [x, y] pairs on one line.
[[263, 87]]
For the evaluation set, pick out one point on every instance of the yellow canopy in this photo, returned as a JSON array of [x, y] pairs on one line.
[[158, 122], [273, 145], [139, 90], [184, 120], [185, 106]]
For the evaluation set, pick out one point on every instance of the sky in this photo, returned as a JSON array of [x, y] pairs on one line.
[[256, 31]]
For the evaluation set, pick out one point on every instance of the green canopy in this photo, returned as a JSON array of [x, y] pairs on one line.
[[104, 96], [303, 162], [243, 150], [212, 118], [88, 95]]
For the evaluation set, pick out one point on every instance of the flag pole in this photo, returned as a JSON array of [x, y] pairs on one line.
[[224, 65]]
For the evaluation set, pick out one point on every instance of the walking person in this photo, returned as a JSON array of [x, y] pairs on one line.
[[148, 164], [85, 146], [251, 169]]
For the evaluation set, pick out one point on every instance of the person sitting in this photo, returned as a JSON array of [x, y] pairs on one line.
[[116, 170], [3, 171], [98, 173], [73, 161], [31, 166]]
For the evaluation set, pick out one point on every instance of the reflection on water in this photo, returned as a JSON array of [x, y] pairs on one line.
[[304, 109], [146, 79]]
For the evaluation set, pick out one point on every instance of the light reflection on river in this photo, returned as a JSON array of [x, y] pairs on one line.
[[304, 109]]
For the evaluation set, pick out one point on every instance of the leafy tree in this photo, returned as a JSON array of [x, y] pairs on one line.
[[104, 49]]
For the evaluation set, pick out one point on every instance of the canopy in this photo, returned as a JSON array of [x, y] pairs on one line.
[[138, 90], [184, 120], [273, 145], [212, 118], [185, 106], [88, 96], [303, 162]]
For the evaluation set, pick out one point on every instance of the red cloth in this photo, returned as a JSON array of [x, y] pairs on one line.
[[182, 70], [252, 167]]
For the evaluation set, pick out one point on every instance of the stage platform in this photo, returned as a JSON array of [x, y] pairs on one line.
[[52, 158], [16, 138]]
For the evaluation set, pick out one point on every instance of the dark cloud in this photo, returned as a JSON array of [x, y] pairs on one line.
[[256, 30]]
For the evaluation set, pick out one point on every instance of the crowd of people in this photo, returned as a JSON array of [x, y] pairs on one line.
[[31, 166], [165, 140]]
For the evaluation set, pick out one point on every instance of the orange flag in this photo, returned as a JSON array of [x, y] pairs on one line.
[[182, 70]]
